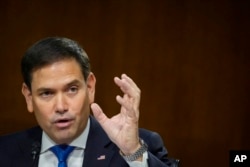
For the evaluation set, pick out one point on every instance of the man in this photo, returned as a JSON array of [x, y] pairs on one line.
[[59, 89]]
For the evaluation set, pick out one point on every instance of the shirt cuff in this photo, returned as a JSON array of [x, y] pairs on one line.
[[143, 163]]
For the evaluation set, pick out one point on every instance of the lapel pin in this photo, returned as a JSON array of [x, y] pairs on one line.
[[102, 157]]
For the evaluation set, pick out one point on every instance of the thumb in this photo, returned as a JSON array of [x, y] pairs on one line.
[[98, 113]]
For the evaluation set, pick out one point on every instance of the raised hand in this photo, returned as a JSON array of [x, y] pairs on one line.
[[122, 128]]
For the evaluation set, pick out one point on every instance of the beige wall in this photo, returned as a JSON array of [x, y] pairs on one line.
[[190, 59]]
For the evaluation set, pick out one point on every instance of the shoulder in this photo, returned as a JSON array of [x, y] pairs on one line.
[[17, 146], [152, 138], [149, 135], [21, 136]]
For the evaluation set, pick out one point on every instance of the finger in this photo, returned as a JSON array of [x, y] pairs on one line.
[[123, 102], [126, 78], [122, 83], [129, 80], [127, 86], [98, 113], [128, 108]]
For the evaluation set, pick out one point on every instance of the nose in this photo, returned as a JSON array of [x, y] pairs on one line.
[[61, 104]]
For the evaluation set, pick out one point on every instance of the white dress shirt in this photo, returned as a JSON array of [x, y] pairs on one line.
[[48, 159]]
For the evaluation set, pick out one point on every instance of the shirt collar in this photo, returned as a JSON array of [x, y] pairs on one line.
[[79, 142]]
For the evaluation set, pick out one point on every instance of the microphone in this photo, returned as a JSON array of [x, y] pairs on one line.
[[35, 150]]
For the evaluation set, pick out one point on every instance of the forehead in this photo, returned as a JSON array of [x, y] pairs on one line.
[[57, 73]]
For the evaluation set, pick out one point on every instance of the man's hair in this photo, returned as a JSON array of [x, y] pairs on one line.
[[50, 50]]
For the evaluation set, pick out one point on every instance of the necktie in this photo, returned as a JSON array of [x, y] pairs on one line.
[[62, 152]]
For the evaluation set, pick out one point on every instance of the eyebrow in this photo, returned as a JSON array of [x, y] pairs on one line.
[[74, 82]]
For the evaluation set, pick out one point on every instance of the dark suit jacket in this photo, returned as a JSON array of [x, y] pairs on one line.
[[16, 149]]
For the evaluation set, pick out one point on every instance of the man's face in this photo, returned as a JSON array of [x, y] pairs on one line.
[[60, 99]]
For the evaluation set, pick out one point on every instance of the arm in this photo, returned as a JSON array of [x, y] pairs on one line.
[[122, 129]]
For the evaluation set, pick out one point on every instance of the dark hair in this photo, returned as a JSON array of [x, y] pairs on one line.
[[50, 50]]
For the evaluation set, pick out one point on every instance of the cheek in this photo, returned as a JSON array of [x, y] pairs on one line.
[[42, 112], [42, 120], [81, 106]]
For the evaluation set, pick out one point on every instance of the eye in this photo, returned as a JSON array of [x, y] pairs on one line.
[[73, 89], [46, 94]]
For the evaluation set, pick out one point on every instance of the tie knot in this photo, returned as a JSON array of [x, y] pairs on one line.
[[62, 152]]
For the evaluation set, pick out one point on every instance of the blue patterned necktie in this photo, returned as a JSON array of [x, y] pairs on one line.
[[62, 152]]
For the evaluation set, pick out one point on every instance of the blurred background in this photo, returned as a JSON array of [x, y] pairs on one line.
[[190, 59]]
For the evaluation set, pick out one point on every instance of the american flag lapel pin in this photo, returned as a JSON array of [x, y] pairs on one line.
[[102, 157]]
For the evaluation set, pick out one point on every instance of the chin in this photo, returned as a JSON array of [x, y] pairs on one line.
[[64, 137]]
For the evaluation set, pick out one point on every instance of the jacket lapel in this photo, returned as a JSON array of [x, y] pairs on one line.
[[99, 148]]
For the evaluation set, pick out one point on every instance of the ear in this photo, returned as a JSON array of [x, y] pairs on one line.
[[28, 97], [91, 81]]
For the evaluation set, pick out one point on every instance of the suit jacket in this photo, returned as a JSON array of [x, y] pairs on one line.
[[22, 149]]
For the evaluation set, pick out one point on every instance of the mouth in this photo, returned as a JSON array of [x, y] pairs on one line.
[[63, 123]]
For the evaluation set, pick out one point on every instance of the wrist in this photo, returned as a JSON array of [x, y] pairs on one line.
[[131, 150], [137, 154]]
